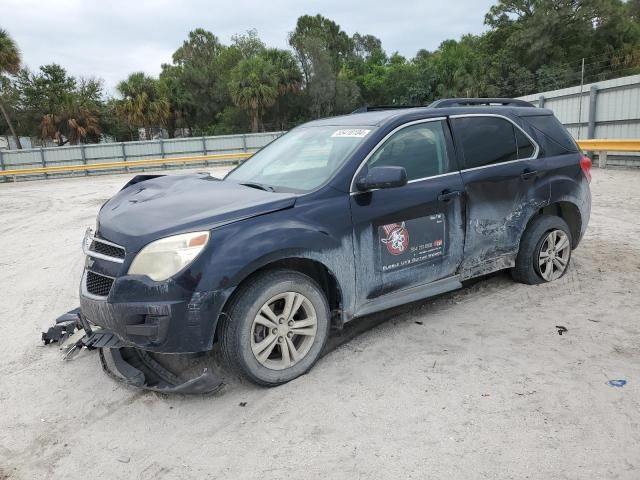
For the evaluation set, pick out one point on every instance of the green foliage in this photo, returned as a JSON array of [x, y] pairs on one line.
[[143, 105], [199, 74], [254, 87], [212, 88], [248, 44], [56, 106], [9, 65], [289, 86], [9, 54]]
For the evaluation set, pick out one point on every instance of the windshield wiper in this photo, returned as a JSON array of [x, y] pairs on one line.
[[259, 186]]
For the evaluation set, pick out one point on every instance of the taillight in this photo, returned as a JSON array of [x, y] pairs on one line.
[[585, 165]]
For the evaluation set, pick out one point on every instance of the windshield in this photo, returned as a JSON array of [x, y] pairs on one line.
[[301, 160]]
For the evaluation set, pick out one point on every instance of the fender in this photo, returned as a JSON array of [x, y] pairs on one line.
[[576, 192], [239, 249]]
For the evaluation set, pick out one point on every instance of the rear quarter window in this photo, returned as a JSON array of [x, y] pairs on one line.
[[553, 136]]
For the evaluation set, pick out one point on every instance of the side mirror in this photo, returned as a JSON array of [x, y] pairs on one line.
[[382, 177]]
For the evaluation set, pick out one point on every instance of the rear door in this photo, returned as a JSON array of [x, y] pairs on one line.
[[503, 187], [412, 235]]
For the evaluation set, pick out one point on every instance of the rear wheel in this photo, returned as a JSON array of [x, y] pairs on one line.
[[276, 327], [545, 251]]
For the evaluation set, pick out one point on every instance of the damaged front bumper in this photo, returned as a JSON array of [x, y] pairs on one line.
[[158, 317], [123, 363], [137, 368]]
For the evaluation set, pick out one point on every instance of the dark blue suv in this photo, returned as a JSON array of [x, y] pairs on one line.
[[337, 219]]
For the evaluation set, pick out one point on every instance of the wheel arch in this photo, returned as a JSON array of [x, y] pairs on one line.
[[570, 213], [314, 269]]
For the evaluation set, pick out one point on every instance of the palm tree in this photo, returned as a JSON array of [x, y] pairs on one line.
[[142, 104], [288, 80], [9, 64], [75, 123], [253, 87], [288, 76]]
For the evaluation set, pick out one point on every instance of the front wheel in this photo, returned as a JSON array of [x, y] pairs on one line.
[[545, 251], [276, 327]]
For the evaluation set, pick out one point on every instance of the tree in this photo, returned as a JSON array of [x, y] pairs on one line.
[[248, 44], [44, 92], [9, 65], [288, 84], [57, 106], [458, 66], [142, 105], [550, 37], [253, 87], [77, 118], [201, 68], [321, 48]]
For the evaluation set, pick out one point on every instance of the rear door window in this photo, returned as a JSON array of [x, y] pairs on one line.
[[485, 140]]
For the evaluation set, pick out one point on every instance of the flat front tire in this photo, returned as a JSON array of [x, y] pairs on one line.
[[545, 251], [276, 327]]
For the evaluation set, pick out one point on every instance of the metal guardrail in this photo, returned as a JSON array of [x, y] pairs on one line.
[[610, 145], [600, 146], [100, 158], [603, 147], [119, 165]]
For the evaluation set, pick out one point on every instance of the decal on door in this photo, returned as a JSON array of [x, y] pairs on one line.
[[397, 238], [412, 241]]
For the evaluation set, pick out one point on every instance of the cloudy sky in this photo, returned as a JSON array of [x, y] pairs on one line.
[[110, 39]]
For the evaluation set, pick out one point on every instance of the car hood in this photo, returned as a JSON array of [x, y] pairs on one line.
[[167, 205]]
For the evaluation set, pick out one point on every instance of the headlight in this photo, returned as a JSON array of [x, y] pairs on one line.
[[165, 257]]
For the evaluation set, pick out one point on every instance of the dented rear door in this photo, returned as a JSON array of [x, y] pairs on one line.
[[503, 185]]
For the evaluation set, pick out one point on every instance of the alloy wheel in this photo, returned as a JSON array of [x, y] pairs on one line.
[[283, 331], [554, 255]]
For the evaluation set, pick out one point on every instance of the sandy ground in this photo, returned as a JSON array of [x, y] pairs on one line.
[[474, 384]]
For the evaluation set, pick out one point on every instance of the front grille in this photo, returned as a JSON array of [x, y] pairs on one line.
[[98, 285], [106, 249]]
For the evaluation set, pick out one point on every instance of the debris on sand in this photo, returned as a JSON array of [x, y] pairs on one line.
[[123, 362], [617, 383]]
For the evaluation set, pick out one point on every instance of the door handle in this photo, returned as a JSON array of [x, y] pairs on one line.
[[528, 173], [447, 195]]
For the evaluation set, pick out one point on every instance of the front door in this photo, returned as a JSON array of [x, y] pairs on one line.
[[412, 235]]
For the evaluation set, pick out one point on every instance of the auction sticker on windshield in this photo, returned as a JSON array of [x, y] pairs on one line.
[[351, 133], [412, 241]]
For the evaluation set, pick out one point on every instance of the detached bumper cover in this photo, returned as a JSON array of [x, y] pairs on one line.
[[125, 364], [137, 368]]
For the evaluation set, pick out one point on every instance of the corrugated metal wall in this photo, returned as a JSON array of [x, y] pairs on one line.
[[128, 151], [610, 110]]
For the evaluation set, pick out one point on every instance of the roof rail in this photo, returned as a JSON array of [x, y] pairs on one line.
[[466, 102], [378, 108]]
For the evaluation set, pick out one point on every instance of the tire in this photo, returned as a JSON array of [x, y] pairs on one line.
[[244, 331], [534, 258]]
